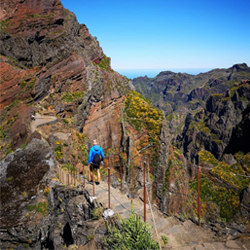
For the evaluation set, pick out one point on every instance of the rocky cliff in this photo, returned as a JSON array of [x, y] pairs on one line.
[[208, 114], [216, 128], [51, 67], [37, 211], [47, 56], [177, 94]]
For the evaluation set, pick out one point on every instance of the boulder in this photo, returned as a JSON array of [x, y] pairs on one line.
[[21, 173]]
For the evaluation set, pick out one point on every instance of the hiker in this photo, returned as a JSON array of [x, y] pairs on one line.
[[96, 156], [33, 117]]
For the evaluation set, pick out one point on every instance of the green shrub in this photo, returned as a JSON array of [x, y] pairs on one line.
[[42, 208], [132, 233], [12, 105], [71, 97], [31, 207], [104, 63], [65, 121], [164, 239], [58, 152], [97, 213], [10, 178]]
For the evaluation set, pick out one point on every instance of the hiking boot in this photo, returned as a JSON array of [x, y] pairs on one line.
[[91, 182], [97, 183]]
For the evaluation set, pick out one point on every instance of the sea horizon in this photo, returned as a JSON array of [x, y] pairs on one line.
[[151, 73]]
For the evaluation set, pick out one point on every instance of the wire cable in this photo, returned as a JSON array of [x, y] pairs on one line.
[[154, 220]]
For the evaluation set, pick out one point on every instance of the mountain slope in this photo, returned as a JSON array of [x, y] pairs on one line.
[[178, 94], [170, 91], [52, 67]]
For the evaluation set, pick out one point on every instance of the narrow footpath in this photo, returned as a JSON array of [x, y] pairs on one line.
[[181, 235], [41, 120]]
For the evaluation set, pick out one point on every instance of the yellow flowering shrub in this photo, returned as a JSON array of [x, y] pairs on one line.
[[234, 174], [207, 157], [226, 200], [143, 116], [141, 113]]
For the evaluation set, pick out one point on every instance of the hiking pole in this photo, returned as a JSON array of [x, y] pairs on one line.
[[109, 186], [144, 170]]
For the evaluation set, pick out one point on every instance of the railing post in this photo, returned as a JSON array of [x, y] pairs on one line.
[[92, 167], [121, 176], [75, 175], [199, 208], [83, 176], [71, 177], [109, 186], [144, 191]]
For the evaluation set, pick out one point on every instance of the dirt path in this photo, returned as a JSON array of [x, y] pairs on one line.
[[41, 120]]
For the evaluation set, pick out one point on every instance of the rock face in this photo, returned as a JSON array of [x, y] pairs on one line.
[[46, 55], [221, 127], [179, 89], [159, 184], [42, 33], [218, 136], [50, 64], [21, 173], [68, 221], [179, 94]]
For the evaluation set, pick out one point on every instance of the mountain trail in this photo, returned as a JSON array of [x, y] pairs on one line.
[[181, 234], [41, 120]]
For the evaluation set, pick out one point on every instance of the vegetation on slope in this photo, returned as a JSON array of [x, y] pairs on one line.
[[131, 233], [221, 186], [144, 118]]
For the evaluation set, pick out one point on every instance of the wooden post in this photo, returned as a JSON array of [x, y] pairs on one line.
[[74, 173], [199, 208], [83, 176], [144, 191], [93, 183], [109, 186], [121, 176]]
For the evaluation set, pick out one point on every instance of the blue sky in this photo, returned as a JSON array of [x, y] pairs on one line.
[[165, 34]]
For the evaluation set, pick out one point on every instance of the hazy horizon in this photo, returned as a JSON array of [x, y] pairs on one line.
[[151, 73]]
